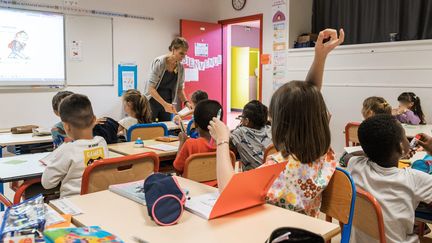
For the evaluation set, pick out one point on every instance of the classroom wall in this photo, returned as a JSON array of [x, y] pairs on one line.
[[352, 74], [134, 41], [241, 37]]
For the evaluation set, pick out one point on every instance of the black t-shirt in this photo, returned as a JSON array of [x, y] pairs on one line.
[[167, 86]]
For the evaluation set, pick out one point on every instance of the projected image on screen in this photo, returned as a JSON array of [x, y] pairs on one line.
[[31, 48]]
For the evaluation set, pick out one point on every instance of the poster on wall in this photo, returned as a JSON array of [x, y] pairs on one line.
[[280, 40], [201, 50], [127, 78], [75, 51]]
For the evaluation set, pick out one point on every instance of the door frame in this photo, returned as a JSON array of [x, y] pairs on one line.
[[225, 24]]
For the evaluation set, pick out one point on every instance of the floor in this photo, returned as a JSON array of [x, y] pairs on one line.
[[232, 122]]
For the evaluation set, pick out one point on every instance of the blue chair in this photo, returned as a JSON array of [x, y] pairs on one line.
[[338, 201], [147, 131], [189, 127]]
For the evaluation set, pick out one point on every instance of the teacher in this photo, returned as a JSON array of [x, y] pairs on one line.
[[166, 81]]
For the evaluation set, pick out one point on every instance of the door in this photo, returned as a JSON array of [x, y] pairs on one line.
[[203, 61]]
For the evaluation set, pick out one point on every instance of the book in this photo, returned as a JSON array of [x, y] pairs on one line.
[[131, 190], [184, 111], [202, 205], [92, 234]]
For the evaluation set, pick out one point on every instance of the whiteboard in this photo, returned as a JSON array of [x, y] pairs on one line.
[[94, 64]]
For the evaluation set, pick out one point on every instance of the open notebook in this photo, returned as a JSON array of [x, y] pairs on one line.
[[245, 190]]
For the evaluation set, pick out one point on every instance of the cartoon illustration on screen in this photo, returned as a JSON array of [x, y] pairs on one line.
[[18, 45]]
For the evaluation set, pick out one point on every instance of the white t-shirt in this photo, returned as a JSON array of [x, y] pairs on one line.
[[67, 163], [398, 191], [127, 122]]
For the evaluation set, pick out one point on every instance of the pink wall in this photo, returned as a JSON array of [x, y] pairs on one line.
[[242, 38]]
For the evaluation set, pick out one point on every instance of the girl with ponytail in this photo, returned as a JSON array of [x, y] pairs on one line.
[[409, 111], [137, 107]]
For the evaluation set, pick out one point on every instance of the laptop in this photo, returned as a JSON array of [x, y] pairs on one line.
[[244, 190]]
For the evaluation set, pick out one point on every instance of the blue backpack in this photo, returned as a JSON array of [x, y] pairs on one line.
[[165, 200], [424, 164]]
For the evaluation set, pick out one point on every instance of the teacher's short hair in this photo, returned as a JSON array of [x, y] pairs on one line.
[[177, 43], [205, 111]]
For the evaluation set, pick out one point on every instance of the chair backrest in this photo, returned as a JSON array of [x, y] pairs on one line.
[[5, 201], [338, 201], [201, 167], [368, 216], [351, 135], [147, 131], [269, 151], [190, 125], [103, 173]]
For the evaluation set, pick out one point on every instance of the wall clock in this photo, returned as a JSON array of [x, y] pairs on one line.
[[238, 4]]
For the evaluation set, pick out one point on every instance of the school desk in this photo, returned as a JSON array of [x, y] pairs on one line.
[[128, 148], [24, 167], [9, 139], [127, 219], [412, 130]]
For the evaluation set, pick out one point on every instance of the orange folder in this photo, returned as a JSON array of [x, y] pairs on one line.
[[244, 190]]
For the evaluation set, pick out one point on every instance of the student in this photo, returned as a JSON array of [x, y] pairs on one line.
[[67, 163], [137, 107], [398, 191], [251, 138], [300, 129], [57, 132], [203, 113], [371, 106], [375, 105], [196, 97], [409, 111]]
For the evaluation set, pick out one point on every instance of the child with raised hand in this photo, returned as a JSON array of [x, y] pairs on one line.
[[409, 111], [398, 191], [67, 163], [250, 139], [300, 129], [137, 107]]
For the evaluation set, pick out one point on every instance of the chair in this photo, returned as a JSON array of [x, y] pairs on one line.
[[5, 201], [338, 201], [147, 131], [33, 187], [105, 172], [368, 216], [351, 130], [269, 151], [201, 167], [190, 126]]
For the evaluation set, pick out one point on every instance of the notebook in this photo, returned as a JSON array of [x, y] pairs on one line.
[[132, 190], [244, 190]]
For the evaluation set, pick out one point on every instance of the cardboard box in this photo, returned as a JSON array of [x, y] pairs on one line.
[[307, 38]]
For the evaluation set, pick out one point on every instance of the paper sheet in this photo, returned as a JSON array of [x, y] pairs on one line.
[[353, 149], [66, 206], [184, 111], [191, 75], [162, 147]]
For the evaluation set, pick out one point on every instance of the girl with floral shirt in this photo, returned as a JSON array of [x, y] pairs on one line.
[[301, 134]]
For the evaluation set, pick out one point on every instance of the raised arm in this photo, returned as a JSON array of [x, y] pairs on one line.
[[316, 71], [224, 170]]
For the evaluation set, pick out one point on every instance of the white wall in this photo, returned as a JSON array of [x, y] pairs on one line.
[[134, 41], [352, 73]]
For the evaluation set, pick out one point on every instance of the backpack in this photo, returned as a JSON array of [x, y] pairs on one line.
[[289, 234], [165, 200], [108, 130]]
